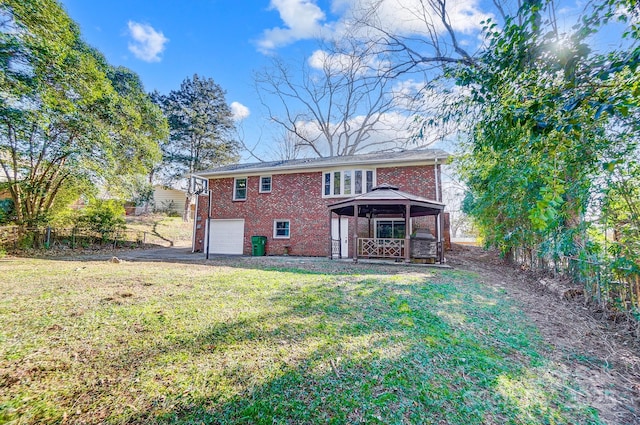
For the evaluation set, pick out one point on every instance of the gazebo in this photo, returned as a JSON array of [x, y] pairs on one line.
[[386, 201]]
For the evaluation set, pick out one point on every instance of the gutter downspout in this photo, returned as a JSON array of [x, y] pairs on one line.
[[438, 194]]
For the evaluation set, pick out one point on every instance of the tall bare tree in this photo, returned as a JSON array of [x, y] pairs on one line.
[[424, 35], [338, 103]]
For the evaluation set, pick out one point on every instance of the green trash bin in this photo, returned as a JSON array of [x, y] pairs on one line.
[[258, 245]]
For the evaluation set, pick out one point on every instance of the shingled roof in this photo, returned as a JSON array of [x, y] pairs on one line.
[[380, 158], [387, 199]]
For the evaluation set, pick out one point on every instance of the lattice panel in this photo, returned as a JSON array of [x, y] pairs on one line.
[[382, 248], [335, 248]]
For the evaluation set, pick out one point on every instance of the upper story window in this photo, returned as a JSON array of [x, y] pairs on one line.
[[265, 184], [240, 189], [347, 182]]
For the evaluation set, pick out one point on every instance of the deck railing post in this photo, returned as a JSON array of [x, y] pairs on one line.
[[331, 235], [407, 234], [356, 212]]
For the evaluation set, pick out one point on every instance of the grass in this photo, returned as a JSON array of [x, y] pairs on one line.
[[162, 230], [96, 342]]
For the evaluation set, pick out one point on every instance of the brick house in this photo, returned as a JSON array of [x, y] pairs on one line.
[[288, 202]]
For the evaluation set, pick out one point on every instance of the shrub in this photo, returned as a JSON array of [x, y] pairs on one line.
[[6, 211], [103, 216]]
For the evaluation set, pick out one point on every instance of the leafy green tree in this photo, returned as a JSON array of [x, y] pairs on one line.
[[544, 116], [76, 190], [64, 111], [548, 109], [200, 132]]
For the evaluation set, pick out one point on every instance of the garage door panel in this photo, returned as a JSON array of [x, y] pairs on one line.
[[226, 236]]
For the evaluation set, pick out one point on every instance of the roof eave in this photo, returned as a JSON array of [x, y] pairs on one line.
[[321, 166], [412, 202]]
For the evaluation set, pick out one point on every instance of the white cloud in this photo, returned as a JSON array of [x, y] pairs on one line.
[[239, 111], [409, 17], [334, 63], [302, 19], [318, 59], [147, 43]]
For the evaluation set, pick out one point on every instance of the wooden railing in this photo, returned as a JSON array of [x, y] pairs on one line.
[[381, 248], [335, 249]]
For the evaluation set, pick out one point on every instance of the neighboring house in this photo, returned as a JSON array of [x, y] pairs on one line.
[[169, 200], [293, 203]]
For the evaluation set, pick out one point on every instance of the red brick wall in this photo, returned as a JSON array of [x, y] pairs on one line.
[[297, 198], [417, 180], [446, 231], [199, 223]]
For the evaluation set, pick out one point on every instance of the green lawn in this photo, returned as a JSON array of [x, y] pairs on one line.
[[96, 342]]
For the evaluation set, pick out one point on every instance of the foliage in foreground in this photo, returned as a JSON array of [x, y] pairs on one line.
[[156, 343], [557, 122], [65, 113], [551, 161]]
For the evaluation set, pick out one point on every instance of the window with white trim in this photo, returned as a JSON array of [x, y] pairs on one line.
[[390, 228], [240, 189], [327, 184], [265, 184], [347, 182], [281, 229], [346, 178]]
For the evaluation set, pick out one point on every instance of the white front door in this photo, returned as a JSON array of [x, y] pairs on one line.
[[226, 236], [343, 232]]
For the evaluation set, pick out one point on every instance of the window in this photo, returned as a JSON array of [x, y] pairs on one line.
[[347, 182], [265, 184], [358, 182], [240, 189], [281, 229], [386, 229], [327, 184], [369, 180]]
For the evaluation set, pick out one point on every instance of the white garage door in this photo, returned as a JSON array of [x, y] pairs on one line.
[[226, 236]]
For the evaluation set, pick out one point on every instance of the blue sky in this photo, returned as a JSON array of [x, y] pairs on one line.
[[227, 40], [165, 41], [216, 38]]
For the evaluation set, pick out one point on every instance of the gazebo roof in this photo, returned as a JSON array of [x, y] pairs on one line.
[[387, 199]]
